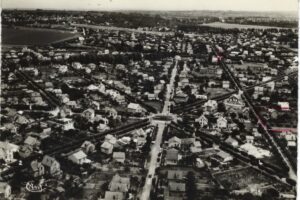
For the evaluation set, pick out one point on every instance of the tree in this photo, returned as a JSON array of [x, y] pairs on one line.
[[270, 193], [191, 189], [248, 196], [221, 107]]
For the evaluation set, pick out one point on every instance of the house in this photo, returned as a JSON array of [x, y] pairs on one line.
[[111, 139], [210, 105], [88, 147], [184, 82], [66, 123], [257, 152], [37, 168], [284, 106], [111, 112], [102, 127], [119, 157], [172, 157], [125, 140], [7, 151], [202, 120], [196, 147], [221, 122], [107, 148], [140, 141], [234, 102], [187, 141], [119, 184], [101, 119], [25, 151], [95, 105], [225, 84], [225, 157], [138, 133], [181, 97], [20, 119], [5, 190], [135, 108], [199, 163], [151, 96], [176, 174], [32, 141], [65, 111], [250, 139], [232, 142], [52, 166], [259, 90], [291, 143], [289, 136], [78, 157], [114, 195], [88, 114], [174, 142]]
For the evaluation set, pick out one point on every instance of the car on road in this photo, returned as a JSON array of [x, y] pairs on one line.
[[150, 176]]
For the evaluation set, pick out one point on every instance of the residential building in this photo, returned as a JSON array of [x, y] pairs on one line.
[[119, 184], [52, 166], [37, 168], [5, 190], [78, 157], [172, 157], [174, 142], [119, 157], [7, 151], [107, 148]]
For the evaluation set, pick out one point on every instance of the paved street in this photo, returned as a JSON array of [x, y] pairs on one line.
[[156, 147]]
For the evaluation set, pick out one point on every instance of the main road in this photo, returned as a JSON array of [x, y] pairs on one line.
[[161, 126]]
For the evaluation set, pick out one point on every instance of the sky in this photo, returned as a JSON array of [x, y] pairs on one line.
[[237, 5]]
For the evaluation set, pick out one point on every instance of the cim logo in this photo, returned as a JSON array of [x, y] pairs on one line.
[[33, 187]]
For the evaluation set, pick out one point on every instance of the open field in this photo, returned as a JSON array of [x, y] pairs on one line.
[[32, 36], [238, 26]]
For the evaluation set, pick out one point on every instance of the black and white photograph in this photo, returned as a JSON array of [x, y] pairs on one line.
[[149, 99]]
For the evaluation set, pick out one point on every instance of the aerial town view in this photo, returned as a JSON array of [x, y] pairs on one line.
[[149, 100]]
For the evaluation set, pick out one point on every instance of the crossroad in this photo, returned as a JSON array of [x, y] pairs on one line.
[[156, 147]]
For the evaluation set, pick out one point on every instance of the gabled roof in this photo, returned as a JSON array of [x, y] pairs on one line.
[[35, 165], [30, 141], [48, 161], [223, 155], [134, 106], [79, 155], [175, 139], [230, 140], [106, 145]]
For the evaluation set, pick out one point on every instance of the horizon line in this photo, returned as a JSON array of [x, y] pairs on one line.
[[116, 10]]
